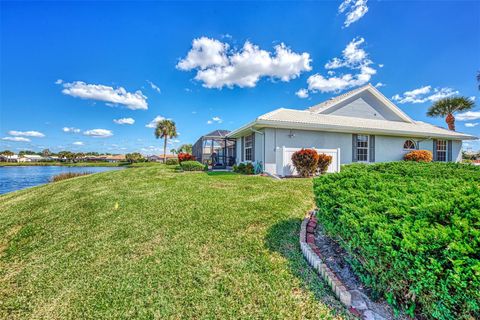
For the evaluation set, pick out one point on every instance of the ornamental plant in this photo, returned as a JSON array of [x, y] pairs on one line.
[[183, 156], [244, 168], [419, 156], [324, 160], [412, 231], [192, 166], [305, 162]]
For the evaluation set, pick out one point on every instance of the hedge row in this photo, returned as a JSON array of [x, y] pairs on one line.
[[413, 230]]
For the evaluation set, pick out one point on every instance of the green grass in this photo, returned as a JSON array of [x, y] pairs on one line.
[[150, 242], [65, 164]]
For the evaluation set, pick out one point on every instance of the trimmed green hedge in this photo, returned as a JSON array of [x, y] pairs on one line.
[[413, 230], [192, 166]]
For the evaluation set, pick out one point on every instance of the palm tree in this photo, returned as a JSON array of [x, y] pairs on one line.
[[478, 79], [165, 129], [173, 151], [446, 107]]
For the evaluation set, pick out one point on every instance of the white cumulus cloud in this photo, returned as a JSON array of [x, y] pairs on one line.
[[71, 130], [78, 143], [380, 84], [424, 94], [16, 139], [468, 116], [98, 133], [217, 65], [113, 96], [471, 125], [124, 121], [153, 123], [34, 134], [354, 58], [302, 93], [354, 10], [215, 120]]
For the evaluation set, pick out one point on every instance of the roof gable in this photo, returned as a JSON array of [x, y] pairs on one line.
[[365, 102]]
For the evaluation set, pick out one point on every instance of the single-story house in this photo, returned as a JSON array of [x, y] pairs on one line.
[[115, 158], [31, 158], [359, 126], [12, 158], [160, 157]]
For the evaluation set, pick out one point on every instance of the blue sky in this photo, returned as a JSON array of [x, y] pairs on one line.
[[218, 65]]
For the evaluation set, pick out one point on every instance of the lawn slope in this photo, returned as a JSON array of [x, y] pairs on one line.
[[152, 243]]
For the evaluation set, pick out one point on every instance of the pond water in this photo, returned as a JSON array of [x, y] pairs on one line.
[[20, 177]]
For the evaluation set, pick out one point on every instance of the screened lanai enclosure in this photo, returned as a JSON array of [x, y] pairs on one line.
[[215, 149]]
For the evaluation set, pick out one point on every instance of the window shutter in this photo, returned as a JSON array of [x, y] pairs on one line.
[[372, 148], [253, 147], [243, 149], [449, 150], [434, 150], [354, 148]]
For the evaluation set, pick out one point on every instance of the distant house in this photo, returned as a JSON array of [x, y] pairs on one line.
[[160, 157], [115, 158], [12, 158], [359, 126], [32, 158]]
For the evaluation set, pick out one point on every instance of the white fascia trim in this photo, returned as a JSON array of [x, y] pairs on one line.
[[348, 129]]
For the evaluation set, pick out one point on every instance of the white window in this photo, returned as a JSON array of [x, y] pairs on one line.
[[248, 147], [409, 145], [362, 148], [441, 150]]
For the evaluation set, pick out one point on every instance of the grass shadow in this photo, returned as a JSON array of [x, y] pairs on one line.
[[283, 238]]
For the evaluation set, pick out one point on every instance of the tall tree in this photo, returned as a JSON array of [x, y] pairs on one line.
[[46, 153], [6, 153], [446, 107], [478, 79], [165, 129]]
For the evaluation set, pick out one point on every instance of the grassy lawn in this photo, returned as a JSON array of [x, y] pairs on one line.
[[153, 243]]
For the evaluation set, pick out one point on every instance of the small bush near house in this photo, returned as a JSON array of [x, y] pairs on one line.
[[192, 166], [413, 231], [305, 161], [419, 156], [324, 160], [67, 175], [185, 157], [171, 161], [244, 168]]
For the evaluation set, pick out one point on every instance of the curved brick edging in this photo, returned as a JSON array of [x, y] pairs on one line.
[[356, 302], [312, 254]]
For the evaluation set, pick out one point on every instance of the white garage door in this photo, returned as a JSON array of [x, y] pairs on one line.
[[285, 166]]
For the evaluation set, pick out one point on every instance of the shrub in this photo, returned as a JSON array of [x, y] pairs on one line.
[[244, 168], [192, 166], [185, 157], [324, 160], [172, 161], [305, 161], [67, 175], [419, 156], [413, 232], [134, 157]]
